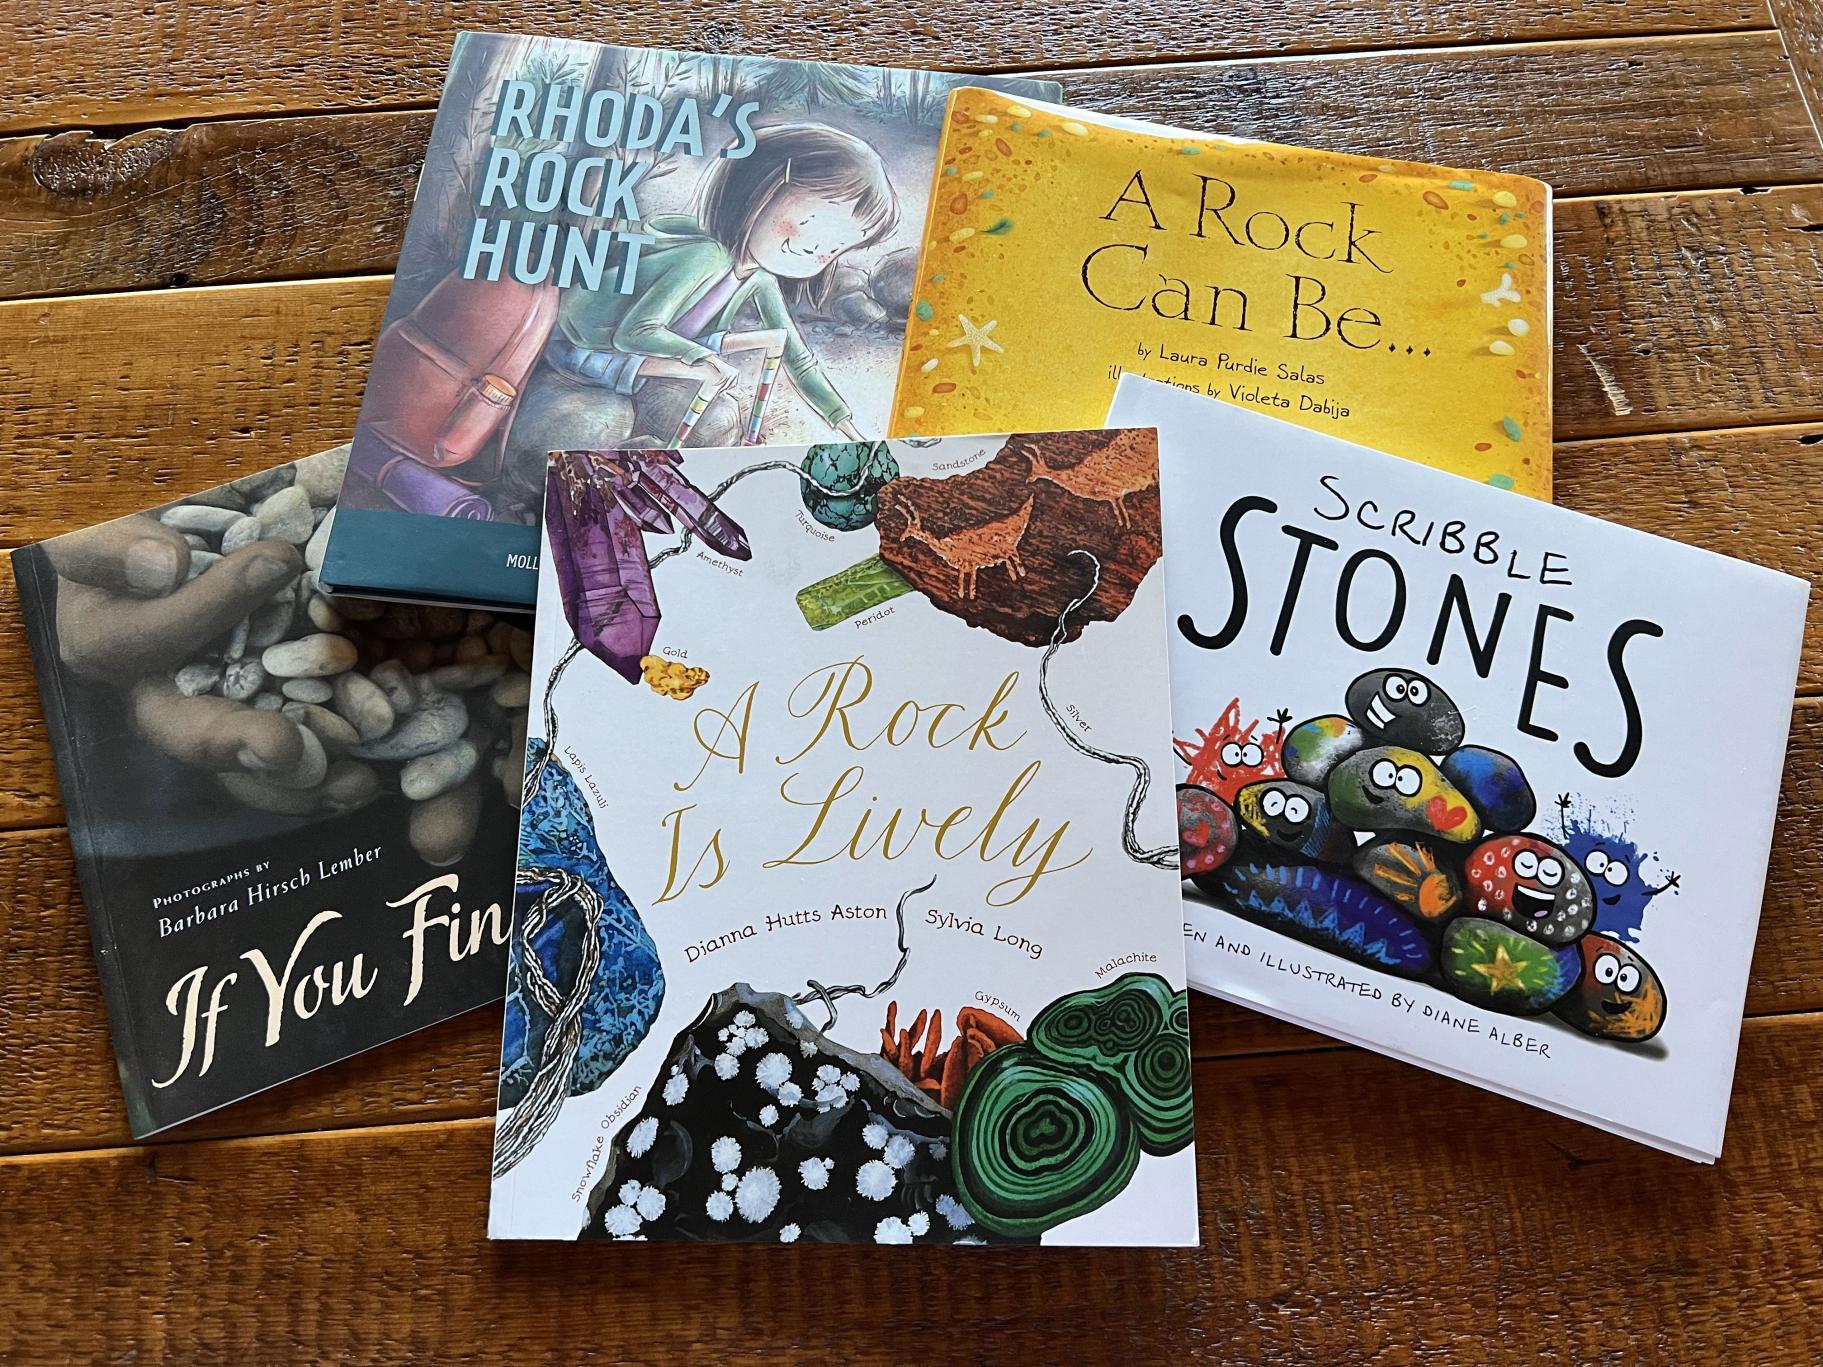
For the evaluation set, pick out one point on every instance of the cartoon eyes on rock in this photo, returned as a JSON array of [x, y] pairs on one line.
[[1402, 778], [1295, 809], [1401, 689], [1547, 870], [1610, 970], [1611, 871], [1237, 756]]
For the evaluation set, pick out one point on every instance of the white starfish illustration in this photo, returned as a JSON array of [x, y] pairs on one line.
[[1503, 292], [976, 338]]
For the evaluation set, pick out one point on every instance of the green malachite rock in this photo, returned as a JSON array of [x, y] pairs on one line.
[[1135, 1034], [1038, 1142]]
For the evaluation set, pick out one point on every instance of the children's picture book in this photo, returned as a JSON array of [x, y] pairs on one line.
[[292, 819], [1482, 784], [1402, 306], [628, 247], [846, 902]]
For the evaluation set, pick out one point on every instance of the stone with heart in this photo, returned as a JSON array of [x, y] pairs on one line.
[[1533, 886], [1394, 788], [1206, 831]]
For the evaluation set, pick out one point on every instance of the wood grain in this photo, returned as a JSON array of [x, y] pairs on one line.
[[1801, 26], [1352, 1209], [272, 199], [61, 1089], [121, 64], [1639, 123], [162, 393]]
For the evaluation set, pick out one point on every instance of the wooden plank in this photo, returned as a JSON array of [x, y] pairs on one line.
[[64, 1092], [127, 65], [1352, 1210], [271, 199], [53, 1034], [1590, 118], [1748, 493], [1801, 26], [1656, 304], [171, 391]]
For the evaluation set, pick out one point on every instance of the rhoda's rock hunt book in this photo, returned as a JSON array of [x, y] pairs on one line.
[[846, 907], [1477, 782], [619, 246], [1402, 306], [292, 819]]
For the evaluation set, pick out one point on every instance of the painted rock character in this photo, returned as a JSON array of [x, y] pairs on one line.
[[1532, 886], [1494, 966], [1413, 874], [1328, 910], [1315, 747], [1392, 788], [1619, 996], [1206, 831], [1398, 707], [1231, 754], [1294, 819], [1495, 784], [1614, 864]]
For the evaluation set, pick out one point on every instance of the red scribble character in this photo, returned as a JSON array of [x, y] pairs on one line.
[[1227, 757]]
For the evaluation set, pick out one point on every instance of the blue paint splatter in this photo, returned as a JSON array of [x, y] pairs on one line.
[[1599, 844]]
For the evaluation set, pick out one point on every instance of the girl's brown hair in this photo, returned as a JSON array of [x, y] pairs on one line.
[[811, 156]]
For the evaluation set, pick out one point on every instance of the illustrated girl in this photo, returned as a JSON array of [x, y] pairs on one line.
[[769, 229]]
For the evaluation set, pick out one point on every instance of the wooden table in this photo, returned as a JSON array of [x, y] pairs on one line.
[[194, 286]]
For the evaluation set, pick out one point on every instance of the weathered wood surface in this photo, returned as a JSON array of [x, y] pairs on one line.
[[266, 199], [1352, 1210], [116, 64]]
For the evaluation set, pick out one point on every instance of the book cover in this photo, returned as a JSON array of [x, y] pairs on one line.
[[1402, 306], [846, 905], [619, 246], [292, 819], [1480, 783]]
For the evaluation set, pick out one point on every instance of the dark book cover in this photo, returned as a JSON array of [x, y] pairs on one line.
[[618, 247], [293, 819]]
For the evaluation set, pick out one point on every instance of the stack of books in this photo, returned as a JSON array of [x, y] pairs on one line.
[[996, 566]]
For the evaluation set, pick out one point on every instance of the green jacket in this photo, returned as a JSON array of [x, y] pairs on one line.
[[675, 271]]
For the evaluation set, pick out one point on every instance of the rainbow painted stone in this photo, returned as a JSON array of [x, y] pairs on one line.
[[1313, 748], [1329, 911], [1491, 965]]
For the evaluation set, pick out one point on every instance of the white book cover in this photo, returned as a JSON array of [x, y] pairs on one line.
[[846, 904], [1480, 783]]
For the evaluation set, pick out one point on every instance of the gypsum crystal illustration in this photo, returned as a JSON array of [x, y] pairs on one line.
[[1440, 879], [758, 1126]]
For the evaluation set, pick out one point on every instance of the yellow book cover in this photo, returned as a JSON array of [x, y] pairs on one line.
[[1397, 305]]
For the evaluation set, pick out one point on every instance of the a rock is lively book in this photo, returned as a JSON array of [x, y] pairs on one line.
[[292, 819], [1483, 784], [847, 904], [1402, 306], [620, 246]]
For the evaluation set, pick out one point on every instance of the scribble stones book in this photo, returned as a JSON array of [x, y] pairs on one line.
[[1402, 306], [1480, 783], [292, 819], [846, 904], [618, 246]]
